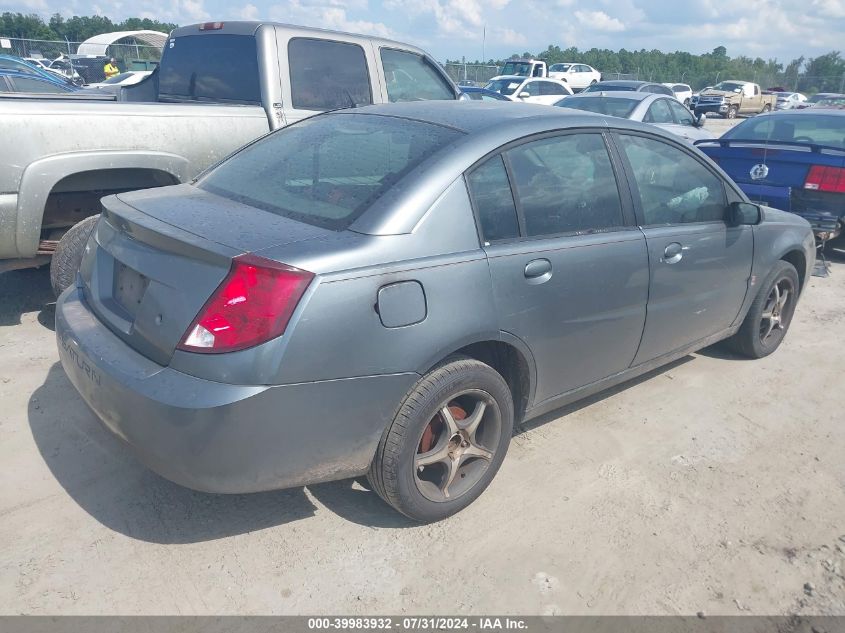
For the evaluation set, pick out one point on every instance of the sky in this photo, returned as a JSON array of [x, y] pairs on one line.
[[782, 29]]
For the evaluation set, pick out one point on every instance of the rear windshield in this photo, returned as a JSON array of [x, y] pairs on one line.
[[327, 170], [821, 129], [602, 105], [610, 88], [210, 68]]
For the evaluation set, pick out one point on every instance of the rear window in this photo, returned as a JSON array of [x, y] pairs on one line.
[[610, 88], [602, 105], [327, 170], [822, 129], [210, 68]]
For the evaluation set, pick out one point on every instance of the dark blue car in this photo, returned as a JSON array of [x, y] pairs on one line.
[[792, 160], [14, 81]]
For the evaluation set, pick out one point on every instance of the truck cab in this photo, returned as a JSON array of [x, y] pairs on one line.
[[523, 68]]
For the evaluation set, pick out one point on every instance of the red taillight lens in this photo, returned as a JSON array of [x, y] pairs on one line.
[[252, 305], [823, 178]]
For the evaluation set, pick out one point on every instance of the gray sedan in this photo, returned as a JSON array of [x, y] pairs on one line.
[[388, 290], [665, 112]]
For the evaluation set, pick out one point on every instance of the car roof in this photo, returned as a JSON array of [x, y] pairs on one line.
[[626, 82], [805, 112], [617, 94]]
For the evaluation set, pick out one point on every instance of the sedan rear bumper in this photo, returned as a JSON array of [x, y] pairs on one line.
[[218, 437]]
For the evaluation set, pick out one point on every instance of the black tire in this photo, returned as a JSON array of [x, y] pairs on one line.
[[687, 103], [766, 108], [394, 472], [749, 340], [69, 253], [732, 112]]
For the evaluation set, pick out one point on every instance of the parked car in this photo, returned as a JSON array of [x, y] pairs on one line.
[[624, 85], [831, 101], [811, 101], [577, 76], [731, 98], [128, 78], [219, 86], [792, 160], [789, 100], [469, 93], [397, 295], [664, 112], [529, 89], [65, 66], [682, 92], [13, 81], [44, 65], [12, 63]]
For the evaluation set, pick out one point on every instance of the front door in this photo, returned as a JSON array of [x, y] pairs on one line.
[[568, 267], [700, 266]]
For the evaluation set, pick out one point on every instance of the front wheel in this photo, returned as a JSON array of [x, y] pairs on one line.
[[766, 108], [446, 442], [770, 314], [732, 112]]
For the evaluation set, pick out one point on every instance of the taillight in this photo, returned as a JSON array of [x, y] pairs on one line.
[[823, 178], [252, 305]]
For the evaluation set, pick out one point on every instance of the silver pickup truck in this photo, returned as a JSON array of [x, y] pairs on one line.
[[219, 86]]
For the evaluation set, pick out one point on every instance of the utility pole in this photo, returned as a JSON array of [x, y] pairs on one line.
[[842, 83], [483, 43]]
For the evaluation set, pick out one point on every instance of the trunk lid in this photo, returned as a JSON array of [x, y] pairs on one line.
[[154, 265]]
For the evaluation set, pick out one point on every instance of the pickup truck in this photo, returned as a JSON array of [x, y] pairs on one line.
[[219, 86], [731, 98], [523, 68]]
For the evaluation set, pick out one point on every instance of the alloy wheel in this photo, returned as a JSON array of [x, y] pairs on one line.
[[776, 314]]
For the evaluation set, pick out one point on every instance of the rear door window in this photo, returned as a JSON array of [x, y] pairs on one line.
[[565, 184], [210, 67], [549, 88], [327, 75], [493, 200], [327, 170], [412, 77]]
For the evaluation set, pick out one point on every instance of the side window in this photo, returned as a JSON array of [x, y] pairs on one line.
[[565, 184], [25, 84], [326, 75], [493, 199], [538, 71], [674, 187], [548, 88], [532, 88], [682, 115], [411, 77], [659, 112]]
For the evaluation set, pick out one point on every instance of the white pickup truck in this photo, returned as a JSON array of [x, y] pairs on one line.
[[219, 86]]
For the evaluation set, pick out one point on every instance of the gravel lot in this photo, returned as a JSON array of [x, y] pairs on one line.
[[715, 484]]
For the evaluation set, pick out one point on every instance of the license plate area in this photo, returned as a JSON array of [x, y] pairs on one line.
[[129, 288]]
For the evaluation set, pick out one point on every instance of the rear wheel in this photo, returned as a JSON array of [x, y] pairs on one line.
[[767, 108], [770, 314], [446, 442], [69, 253]]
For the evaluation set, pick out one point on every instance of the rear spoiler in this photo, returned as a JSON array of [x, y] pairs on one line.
[[771, 145]]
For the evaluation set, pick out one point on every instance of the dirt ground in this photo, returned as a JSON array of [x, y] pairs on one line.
[[715, 484]]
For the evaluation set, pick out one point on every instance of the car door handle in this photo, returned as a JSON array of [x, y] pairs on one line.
[[538, 270], [673, 253]]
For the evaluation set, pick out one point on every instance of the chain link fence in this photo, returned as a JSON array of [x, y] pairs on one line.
[[478, 74], [129, 56]]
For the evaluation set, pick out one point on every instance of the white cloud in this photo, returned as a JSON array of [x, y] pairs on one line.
[[599, 21], [328, 15], [249, 12]]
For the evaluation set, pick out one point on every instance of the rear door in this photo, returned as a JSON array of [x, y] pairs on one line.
[[700, 267], [569, 267]]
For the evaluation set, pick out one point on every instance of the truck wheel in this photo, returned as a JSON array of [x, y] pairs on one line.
[[732, 112], [766, 108], [69, 253], [770, 314], [446, 442], [687, 103]]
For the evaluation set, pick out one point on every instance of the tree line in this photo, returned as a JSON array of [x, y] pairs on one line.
[[825, 73], [75, 29]]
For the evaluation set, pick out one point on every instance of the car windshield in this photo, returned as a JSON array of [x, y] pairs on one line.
[[327, 170], [727, 86], [504, 86], [522, 69], [610, 87], [560, 68], [822, 129], [617, 107]]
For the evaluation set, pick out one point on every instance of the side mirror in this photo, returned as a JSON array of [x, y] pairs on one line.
[[524, 95], [700, 119], [744, 214]]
